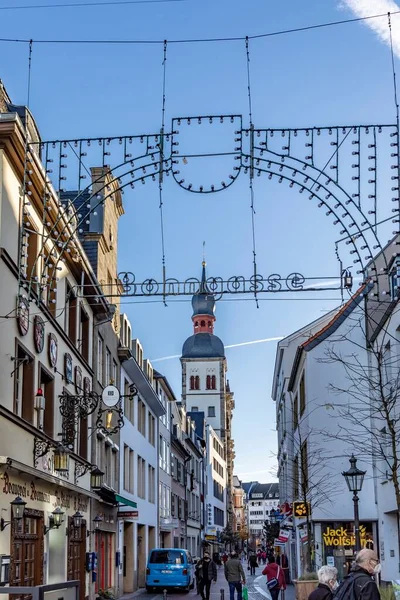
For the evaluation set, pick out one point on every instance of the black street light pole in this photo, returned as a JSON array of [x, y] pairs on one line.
[[354, 479]]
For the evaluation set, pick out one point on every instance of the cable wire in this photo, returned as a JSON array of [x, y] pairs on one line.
[[208, 40], [88, 4]]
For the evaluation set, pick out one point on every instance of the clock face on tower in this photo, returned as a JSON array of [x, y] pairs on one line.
[[23, 315], [38, 333], [53, 349]]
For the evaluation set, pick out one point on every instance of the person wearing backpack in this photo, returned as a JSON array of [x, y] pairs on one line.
[[360, 583], [275, 578], [327, 578]]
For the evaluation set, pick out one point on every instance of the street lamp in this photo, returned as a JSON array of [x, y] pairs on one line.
[[354, 479], [273, 515], [17, 510]]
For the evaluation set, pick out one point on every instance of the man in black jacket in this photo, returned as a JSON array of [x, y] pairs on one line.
[[360, 583], [206, 572]]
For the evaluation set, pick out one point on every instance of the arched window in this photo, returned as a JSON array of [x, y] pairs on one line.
[[208, 382], [213, 382], [209, 324], [192, 382], [202, 323], [196, 323], [197, 383]]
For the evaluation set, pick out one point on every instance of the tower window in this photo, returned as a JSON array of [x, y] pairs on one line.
[[208, 382], [209, 324], [213, 382], [197, 383], [202, 323], [211, 411], [196, 324], [192, 382]]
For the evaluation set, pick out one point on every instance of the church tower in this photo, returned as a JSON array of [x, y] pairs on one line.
[[204, 384], [204, 363]]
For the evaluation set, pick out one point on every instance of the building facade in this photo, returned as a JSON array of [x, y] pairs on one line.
[[179, 460], [262, 498], [310, 453], [48, 351], [166, 523], [139, 472]]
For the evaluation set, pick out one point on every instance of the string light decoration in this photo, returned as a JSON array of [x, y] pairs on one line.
[[300, 158]]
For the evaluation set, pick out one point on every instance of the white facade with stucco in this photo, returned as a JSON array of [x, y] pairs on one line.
[[308, 424]]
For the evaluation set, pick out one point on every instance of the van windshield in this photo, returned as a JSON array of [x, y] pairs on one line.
[[167, 557]]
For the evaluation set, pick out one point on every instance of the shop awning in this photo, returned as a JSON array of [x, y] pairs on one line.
[[125, 501]]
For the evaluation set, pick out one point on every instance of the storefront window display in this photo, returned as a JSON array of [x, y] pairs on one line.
[[338, 543]]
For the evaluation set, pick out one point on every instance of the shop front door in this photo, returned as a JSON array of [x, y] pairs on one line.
[[76, 554], [27, 549]]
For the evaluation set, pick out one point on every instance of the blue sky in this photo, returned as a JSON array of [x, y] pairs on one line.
[[332, 76]]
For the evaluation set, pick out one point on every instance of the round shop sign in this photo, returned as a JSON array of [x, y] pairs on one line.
[[110, 395]]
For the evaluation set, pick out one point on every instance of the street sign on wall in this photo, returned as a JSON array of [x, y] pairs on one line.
[[129, 514]]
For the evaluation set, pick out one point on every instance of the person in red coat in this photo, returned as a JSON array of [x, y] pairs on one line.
[[272, 570]]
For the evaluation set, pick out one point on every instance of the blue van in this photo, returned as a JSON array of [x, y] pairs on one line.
[[169, 568]]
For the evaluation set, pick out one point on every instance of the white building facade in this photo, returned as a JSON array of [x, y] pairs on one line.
[[166, 523], [139, 473], [216, 489], [311, 457]]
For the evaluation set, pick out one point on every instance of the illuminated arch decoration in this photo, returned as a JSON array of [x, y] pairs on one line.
[[345, 170]]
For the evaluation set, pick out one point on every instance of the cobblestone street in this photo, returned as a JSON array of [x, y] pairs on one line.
[[256, 587]]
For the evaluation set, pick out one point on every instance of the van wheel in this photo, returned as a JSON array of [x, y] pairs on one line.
[[148, 589]]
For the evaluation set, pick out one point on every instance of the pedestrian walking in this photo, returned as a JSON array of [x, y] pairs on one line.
[[360, 584], [275, 578], [253, 563], [206, 573], [327, 584], [264, 557], [285, 567], [235, 576]]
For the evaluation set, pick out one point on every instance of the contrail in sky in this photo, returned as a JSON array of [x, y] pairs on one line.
[[272, 339], [365, 8]]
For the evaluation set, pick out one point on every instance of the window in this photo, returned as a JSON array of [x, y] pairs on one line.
[[211, 382], [302, 395], [47, 385], [152, 484], [211, 411], [197, 382], [129, 403], [114, 373], [141, 417], [24, 366], [141, 474], [195, 409], [128, 469], [70, 313], [32, 253], [84, 333], [50, 288], [295, 412], [108, 367], [218, 468], [152, 429], [219, 517], [100, 348], [202, 323], [218, 491]]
